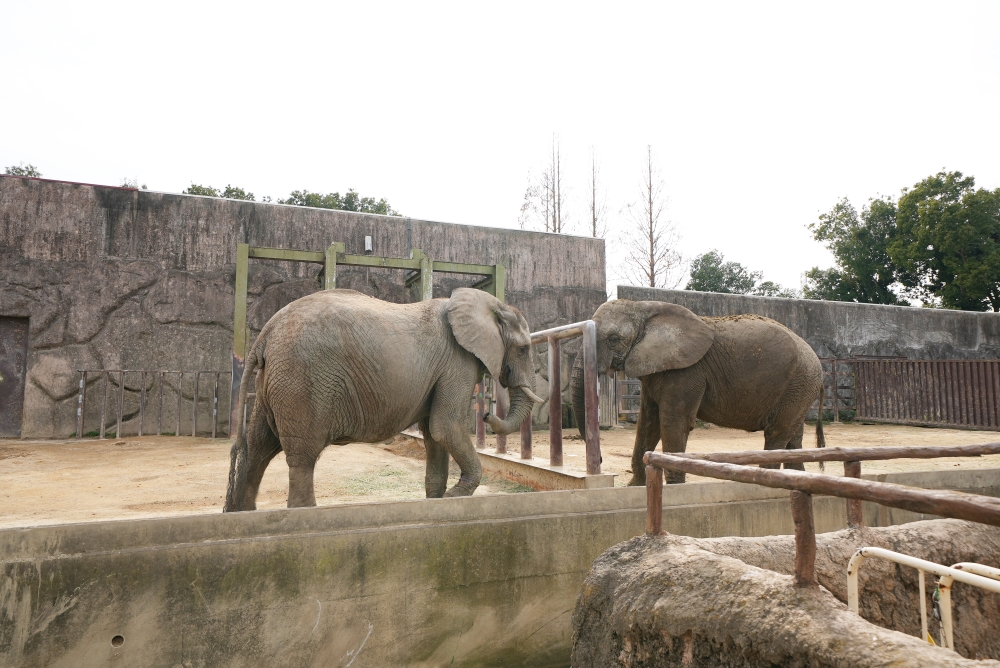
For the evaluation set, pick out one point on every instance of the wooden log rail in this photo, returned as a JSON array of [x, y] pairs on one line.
[[803, 485]]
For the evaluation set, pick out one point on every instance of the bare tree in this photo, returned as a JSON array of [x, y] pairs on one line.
[[544, 197], [650, 241], [598, 204]]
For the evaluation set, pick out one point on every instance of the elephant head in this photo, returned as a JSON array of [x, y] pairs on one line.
[[498, 335], [641, 338]]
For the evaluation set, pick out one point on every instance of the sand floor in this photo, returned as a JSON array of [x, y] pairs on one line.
[[59, 481]]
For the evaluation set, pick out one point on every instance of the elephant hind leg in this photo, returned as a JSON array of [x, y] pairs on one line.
[[301, 455], [266, 446], [784, 440]]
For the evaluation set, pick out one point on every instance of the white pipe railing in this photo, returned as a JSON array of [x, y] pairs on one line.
[[962, 574]]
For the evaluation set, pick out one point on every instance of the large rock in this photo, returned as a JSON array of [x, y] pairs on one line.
[[673, 600]]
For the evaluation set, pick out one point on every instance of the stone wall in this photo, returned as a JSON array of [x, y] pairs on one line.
[[845, 329], [117, 278]]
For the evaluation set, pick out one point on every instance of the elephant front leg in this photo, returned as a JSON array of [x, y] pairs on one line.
[[647, 435], [436, 476]]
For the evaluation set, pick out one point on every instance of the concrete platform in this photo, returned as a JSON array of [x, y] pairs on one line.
[[538, 474]]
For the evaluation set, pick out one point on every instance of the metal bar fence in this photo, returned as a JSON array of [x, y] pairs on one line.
[[132, 403], [592, 434]]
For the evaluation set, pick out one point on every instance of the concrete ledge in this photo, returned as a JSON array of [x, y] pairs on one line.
[[538, 474], [476, 581]]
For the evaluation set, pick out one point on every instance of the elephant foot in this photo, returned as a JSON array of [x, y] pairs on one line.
[[675, 477], [458, 490], [637, 481]]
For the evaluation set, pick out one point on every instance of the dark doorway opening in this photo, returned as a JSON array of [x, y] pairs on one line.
[[13, 369]]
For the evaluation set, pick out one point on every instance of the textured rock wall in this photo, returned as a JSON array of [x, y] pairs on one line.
[[117, 278], [678, 601], [844, 329]]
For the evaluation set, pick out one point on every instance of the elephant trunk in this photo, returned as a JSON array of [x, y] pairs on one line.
[[521, 402], [576, 385]]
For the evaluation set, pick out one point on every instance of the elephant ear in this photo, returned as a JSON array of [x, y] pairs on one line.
[[473, 316], [673, 338]]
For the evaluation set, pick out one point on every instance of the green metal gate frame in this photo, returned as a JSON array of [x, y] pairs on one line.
[[493, 283]]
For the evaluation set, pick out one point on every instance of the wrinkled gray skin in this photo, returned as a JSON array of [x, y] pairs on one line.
[[340, 367], [743, 372]]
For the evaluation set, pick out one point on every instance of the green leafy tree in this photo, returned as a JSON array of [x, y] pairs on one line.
[[195, 189], [711, 273], [864, 271], [232, 192], [350, 201], [948, 242], [132, 183], [22, 169]]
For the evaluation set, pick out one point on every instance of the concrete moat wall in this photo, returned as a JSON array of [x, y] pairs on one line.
[[479, 581], [678, 601], [117, 278], [845, 329]]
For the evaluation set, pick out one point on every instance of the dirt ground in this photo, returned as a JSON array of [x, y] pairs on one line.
[[59, 481]]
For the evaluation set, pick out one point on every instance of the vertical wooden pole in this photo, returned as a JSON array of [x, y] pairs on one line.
[[121, 402], [836, 393], [159, 407], [215, 406], [239, 334], [142, 402], [426, 281], [654, 500], [330, 265], [499, 282], [591, 399], [805, 539], [500, 396], [180, 396], [555, 403], [855, 518], [80, 404], [104, 401], [194, 405]]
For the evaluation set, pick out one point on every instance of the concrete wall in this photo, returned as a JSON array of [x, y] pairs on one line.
[[479, 581], [844, 329], [114, 277]]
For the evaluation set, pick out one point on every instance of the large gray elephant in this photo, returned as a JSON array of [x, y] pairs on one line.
[[744, 372], [340, 367]]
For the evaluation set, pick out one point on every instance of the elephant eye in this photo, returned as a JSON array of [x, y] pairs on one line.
[[524, 350], [614, 339]]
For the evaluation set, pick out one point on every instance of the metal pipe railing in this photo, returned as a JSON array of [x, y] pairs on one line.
[[159, 377], [553, 337], [588, 331], [947, 576]]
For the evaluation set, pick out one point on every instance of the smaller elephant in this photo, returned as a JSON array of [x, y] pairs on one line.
[[743, 372], [341, 367]]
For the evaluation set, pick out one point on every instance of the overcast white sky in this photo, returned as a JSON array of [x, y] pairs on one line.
[[761, 115]]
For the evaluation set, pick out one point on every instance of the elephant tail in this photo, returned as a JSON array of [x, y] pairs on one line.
[[240, 452]]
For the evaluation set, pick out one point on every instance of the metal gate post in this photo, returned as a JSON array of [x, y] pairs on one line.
[[591, 400]]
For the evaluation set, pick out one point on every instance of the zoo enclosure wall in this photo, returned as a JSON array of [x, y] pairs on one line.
[[117, 278]]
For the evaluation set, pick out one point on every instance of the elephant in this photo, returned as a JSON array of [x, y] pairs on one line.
[[744, 372], [338, 367]]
